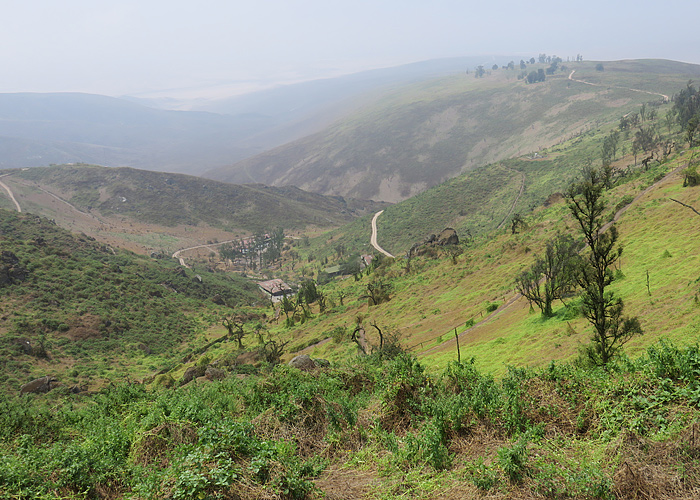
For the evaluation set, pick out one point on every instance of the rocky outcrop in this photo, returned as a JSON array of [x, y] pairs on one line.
[[40, 385], [11, 272], [192, 373], [305, 363], [212, 373], [447, 236]]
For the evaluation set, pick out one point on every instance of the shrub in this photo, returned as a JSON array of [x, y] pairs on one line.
[[492, 306]]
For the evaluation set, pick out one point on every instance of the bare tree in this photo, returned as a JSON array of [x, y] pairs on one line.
[[551, 276]]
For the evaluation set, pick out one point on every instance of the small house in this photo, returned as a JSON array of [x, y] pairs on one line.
[[276, 289]]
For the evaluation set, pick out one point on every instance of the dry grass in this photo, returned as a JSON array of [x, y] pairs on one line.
[[151, 449], [650, 470]]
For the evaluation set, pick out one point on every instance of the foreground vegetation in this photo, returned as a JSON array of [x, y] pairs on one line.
[[371, 428]]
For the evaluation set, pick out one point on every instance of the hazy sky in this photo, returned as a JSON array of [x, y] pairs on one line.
[[119, 47]]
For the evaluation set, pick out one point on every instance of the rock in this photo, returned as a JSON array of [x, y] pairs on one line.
[[40, 385], [214, 373], [164, 380], [11, 272], [192, 373], [448, 236], [216, 299], [303, 362]]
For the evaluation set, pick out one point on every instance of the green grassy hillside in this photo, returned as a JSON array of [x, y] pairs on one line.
[[419, 136], [455, 288], [372, 429], [86, 314]]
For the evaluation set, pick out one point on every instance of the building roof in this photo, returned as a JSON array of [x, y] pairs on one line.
[[275, 286]]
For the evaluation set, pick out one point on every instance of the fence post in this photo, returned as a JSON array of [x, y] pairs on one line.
[[459, 355]]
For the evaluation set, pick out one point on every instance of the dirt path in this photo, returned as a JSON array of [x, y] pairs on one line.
[[177, 256], [571, 77], [9, 192], [512, 207], [373, 239], [516, 296]]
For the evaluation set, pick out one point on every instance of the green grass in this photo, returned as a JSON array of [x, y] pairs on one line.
[[370, 428], [81, 300]]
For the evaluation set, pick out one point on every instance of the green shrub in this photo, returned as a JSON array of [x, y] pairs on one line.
[[513, 460]]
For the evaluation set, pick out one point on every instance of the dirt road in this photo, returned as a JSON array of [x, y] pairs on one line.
[[373, 239], [571, 77], [9, 192]]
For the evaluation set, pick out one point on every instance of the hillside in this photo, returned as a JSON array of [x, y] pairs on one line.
[[87, 314], [40, 129], [450, 289], [420, 135], [431, 377], [118, 204]]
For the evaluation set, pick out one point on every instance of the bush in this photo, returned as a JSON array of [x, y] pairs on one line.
[[492, 306]]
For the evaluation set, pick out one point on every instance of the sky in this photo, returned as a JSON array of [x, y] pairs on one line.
[[178, 47]]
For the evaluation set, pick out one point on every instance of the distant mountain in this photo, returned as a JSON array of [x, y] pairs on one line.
[[40, 129], [417, 136]]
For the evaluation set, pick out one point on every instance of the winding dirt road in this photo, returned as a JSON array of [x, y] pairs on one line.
[[9, 192], [176, 255], [373, 239], [571, 77]]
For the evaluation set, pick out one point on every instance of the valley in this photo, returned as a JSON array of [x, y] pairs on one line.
[[405, 362]]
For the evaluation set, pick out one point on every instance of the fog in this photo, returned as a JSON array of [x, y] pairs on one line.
[[213, 48]]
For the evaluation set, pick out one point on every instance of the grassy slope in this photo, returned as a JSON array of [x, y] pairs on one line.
[[477, 201], [439, 295], [100, 315], [171, 199], [418, 136]]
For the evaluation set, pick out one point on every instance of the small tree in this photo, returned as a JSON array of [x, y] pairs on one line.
[[551, 276], [234, 325], [595, 274], [378, 291], [516, 222]]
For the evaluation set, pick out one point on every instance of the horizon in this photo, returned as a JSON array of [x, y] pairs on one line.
[[173, 49]]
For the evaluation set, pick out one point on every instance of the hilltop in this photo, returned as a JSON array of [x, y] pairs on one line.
[[43, 128], [417, 136]]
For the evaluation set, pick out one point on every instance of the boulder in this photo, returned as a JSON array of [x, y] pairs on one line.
[[11, 272], [192, 373], [40, 385], [212, 373], [303, 362], [448, 236]]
